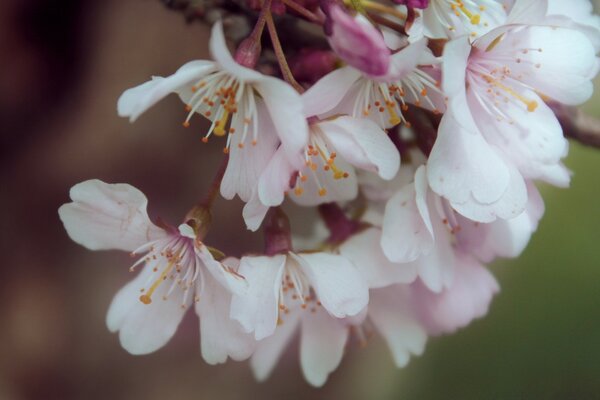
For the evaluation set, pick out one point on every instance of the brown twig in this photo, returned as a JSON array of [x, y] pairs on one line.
[[577, 125]]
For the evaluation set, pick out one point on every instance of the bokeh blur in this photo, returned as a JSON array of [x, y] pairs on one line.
[[62, 67]]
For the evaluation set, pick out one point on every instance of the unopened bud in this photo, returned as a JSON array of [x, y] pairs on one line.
[[248, 52], [278, 238]]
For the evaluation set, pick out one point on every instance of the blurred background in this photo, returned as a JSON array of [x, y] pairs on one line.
[[62, 67]]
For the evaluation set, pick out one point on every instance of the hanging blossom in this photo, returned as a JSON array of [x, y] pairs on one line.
[[336, 146], [178, 270], [254, 112], [498, 128], [315, 291]]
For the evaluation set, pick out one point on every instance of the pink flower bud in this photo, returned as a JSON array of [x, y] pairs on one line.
[[357, 42], [248, 52], [309, 65]]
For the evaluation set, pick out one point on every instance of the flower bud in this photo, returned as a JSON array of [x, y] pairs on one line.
[[357, 42], [248, 52]]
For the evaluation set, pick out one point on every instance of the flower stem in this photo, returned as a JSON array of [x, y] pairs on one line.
[[309, 15], [210, 197], [278, 237], [283, 65], [260, 22]]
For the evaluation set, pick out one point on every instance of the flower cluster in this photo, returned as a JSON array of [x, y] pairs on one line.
[[418, 136]]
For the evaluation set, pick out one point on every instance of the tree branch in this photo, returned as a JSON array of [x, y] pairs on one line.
[[577, 125]]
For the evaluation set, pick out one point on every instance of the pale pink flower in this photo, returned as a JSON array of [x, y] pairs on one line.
[[178, 270], [288, 281], [326, 172], [497, 128], [382, 99], [313, 291], [253, 111]]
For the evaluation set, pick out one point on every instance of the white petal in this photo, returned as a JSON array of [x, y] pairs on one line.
[[285, 109], [254, 213], [467, 299], [328, 91], [530, 139], [363, 144], [135, 101], [338, 284], [454, 66], [364, 251], [257, 308], [462, 166], [407, 232], [144, 328], [405, 60], [223, 274], [502, 238], [108, 216], [246, 164], [275, 180], [567, 61], [436, 268], [269, 350], [220, 336], [390, 311], [321, 346], [511, 204]]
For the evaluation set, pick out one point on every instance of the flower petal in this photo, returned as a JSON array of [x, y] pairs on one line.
[[329, 91], [227, 277], [247, 162], [321, 346], [135, 101], [407, 232], [338, 284], [144, 328], [254, 213], [285, 109], [363, 144], [390, 311], [462, 166], [269, 350], [257, 308], [106, 216], [467, 299], [220, 336], [364, 251]]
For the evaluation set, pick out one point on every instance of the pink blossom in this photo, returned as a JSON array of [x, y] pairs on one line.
[[253, 111], [178, 270]]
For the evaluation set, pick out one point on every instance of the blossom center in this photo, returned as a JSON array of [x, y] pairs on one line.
[[228, 103], [172, 260], [318, 156]]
